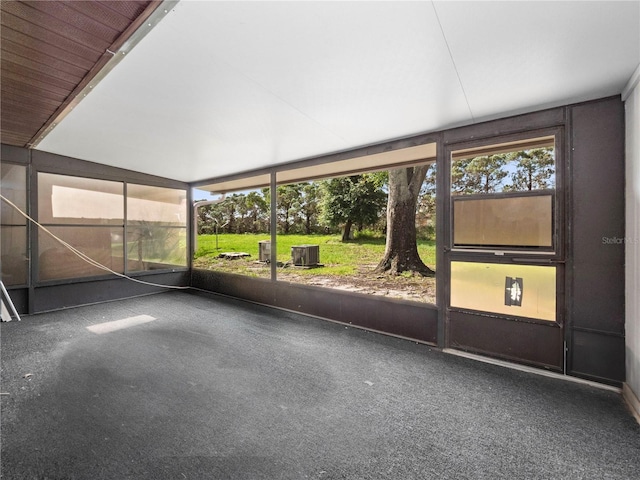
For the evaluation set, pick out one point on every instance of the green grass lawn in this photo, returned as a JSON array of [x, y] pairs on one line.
[[338, 258]]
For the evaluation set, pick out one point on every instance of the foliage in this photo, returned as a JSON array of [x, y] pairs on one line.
[[520, 171], [306, 207], [238, 213], [482, 174], [353, 200], [310, 206], [288, 202], [298, 207], [258, 212], [534, 170]]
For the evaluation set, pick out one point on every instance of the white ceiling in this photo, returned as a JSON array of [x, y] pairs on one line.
[[223, 87]]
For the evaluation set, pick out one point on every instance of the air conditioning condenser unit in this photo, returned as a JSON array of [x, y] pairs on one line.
[[305, 255]]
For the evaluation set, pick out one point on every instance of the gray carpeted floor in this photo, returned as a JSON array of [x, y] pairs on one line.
[[220, 389]]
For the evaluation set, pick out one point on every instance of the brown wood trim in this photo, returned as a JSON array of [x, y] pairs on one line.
[[514, 125]]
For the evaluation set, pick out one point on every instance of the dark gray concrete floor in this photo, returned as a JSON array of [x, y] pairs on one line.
[[220, 389]]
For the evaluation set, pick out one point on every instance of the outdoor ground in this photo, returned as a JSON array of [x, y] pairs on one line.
[[414, 288], [345, 266]]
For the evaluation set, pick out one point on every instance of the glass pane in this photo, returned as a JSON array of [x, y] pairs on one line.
[[64, 199], [102, 244], [156, 205], [155, 247], [233, 234], [503, 170], [503, 195], [14, 255], [517, 221], [333, 233], [14, 188], [518, 290]]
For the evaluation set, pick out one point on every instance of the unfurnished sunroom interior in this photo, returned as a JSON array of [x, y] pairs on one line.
[[133, 110]]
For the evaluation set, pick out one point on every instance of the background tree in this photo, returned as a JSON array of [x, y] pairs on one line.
[[401, 249], [484, 174], [310, 206], [534, 169], [355, 199], [205, 219], [287, 204], [242, 211], [229, 209], [211, 215], [258, 212]]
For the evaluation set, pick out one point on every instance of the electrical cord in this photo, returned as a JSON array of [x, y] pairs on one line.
[[84, 257]]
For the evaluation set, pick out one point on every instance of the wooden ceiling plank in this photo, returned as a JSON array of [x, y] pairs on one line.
[[16, 112], [20, 127], [39, 64], [58, 58], [17, 87], [28, 68], [17, 118], [74, 20], [38, 35], [40, 104], [27, 73], [101, 12], [36, 84], [129, 9], [55, 79], [42, 21], [11, 138]]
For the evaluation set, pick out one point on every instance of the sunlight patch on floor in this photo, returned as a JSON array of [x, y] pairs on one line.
[[108, 327]]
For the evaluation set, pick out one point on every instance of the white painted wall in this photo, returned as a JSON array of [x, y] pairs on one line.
[[631, 95]]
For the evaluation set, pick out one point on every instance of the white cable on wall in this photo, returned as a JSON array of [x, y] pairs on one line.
[[84, 257]]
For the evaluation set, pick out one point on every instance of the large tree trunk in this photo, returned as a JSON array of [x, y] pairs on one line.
[[401, 250]]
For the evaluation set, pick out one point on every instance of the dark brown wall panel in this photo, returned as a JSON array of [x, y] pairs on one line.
[[530, 343], [14, 154], [20, 299], [55, 297], [405, 319], [597, 215], [258, 290], [597, 229], [598, 357]]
